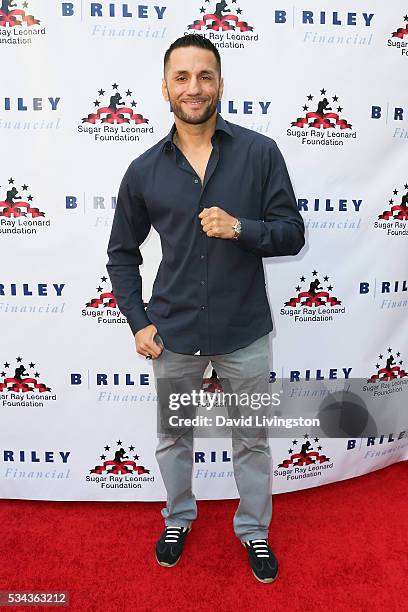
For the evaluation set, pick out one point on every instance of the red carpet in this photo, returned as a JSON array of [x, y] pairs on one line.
[[340, 547]]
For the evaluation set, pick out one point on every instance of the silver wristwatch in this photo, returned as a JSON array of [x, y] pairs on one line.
[[237, 229]]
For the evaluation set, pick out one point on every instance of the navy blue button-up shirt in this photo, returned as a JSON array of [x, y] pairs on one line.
[[209, 296]]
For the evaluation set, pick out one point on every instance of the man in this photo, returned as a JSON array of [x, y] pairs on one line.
[[220, 197]]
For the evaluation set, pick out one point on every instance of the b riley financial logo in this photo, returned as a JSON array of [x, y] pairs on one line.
[[17, 27], [393, 116], [17, 213], [98, 209], [322, 123], [117, 387], [380, 446], [313, 302], [32, 298], [328, 27], [118, 470], [103, 308], [254, 113], [128, 20], [30, 113], [21, 464], [115, 117], [305, 461], [331, 213], [223, 24], [399, 38], [20, 387], [393, 220], [385, 292]]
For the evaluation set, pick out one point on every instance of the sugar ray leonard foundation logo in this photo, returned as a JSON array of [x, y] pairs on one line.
[[21, 387], [321, 123], [315, 303], [104, 308], [17, 214], [304, 462], [224, 25], [393, 220], [16, 26], [115, 118], [399, 38], [118, 470], [389, 375], [387, 368]]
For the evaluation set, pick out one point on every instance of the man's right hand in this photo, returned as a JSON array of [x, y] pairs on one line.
[[145, 345]]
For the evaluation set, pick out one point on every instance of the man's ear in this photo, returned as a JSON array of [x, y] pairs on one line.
[[165, 90], [221, 87]]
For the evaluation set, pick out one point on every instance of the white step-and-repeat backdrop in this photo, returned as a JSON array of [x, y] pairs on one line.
[[327, 81]]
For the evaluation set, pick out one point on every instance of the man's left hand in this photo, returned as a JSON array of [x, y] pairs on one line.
[[217, 223]]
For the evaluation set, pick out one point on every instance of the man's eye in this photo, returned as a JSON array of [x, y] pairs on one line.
[[181, 78]]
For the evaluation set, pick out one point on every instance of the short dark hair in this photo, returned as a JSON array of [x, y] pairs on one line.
[[193, 40]]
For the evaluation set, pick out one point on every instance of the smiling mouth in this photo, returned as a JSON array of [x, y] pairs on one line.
[[194, 103]]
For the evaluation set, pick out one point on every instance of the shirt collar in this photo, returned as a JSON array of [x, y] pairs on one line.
[[220, 125]]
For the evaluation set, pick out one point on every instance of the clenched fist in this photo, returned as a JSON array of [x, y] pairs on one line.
[[145, 345], [217, 223]]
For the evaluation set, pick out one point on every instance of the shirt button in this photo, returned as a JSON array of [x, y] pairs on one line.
[[202, 283], [202, 257], [202, 307], [196, 180]]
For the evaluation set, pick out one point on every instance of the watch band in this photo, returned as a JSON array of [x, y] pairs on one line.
[[237, 229]]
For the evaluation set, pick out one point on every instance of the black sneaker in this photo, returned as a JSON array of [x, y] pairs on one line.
[[263, 562], [170, 545]]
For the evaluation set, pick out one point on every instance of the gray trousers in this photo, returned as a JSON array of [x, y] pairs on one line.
[[251, 456]]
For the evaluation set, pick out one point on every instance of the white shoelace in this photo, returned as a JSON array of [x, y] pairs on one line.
[[173, 534], [260, 547]]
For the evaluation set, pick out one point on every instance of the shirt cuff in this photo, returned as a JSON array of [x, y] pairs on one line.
[[138, 319], [251, 230]]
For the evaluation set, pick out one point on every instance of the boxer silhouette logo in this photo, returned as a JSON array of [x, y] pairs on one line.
[[119, 109], [308, 461], [22, 380], [119, 462], [313, 300], [115, 117], [397, 209], [388, 368], [223, 19], [324, 117], [17, 203], [11, 15]]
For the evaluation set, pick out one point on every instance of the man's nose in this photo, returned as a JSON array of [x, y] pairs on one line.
[[194, 87]]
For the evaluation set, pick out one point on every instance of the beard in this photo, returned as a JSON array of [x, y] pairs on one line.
[[194, 119]]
